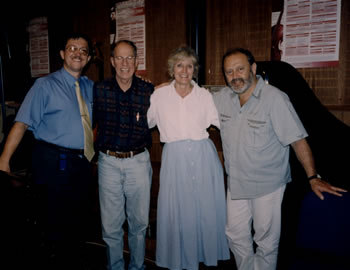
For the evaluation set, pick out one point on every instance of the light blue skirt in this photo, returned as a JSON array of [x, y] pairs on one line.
[[191, 213]]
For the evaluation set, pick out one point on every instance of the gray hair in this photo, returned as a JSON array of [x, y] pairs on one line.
[[179, 54]]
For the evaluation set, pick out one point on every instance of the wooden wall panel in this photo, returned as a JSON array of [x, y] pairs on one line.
[[94, 19], [230, 23], [165, 30], [236, 23]]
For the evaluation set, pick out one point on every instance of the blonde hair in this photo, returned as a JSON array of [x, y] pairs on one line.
[[179, 54]]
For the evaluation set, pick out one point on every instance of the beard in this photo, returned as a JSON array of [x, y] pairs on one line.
[[240, 85]]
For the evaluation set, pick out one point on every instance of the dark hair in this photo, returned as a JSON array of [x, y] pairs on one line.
[[230, 52], [180, 53], [76, 35], [129, 42]]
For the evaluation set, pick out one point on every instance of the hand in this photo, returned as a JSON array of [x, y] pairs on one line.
[[4, 166], [144, 79], [318, 186]]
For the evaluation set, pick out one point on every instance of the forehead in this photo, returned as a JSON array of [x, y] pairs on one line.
[[184, 59], [123, 49], [78, 42], [236, 59]]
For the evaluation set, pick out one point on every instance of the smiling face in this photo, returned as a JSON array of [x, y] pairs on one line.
[[183, 71], [124, 62], [240, 75], [75, 56]]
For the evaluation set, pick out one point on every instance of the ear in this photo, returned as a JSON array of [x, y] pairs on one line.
[[89, 57], [136, 64], [254, 68], [112, 61], [62, 54]]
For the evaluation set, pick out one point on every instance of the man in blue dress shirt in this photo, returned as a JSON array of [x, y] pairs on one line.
[[61, 171]]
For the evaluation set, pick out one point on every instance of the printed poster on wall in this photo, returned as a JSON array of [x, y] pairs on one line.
[[311, 31], [39, 46], [130, 24]]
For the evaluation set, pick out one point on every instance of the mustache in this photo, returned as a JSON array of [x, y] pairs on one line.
[[237, 80], [77, 57]]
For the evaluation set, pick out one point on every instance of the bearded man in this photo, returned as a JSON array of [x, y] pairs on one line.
[[257, 125]]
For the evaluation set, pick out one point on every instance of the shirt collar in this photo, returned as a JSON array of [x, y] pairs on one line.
[[258, 88], [132, 86], [68, 77], [195, 85]]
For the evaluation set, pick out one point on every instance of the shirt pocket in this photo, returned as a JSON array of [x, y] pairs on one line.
[[225, 119], [256, 132]]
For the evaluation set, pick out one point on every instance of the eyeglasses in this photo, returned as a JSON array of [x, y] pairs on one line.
[[72, 49], [128, 59]]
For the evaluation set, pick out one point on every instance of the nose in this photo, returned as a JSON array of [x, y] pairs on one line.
[[234, 75], [185, 69], [77, 52], [124, 61]]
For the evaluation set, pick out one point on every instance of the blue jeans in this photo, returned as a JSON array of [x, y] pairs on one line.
[[124, 193]]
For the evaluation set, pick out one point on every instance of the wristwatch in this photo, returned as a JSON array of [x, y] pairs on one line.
[[313, 177]]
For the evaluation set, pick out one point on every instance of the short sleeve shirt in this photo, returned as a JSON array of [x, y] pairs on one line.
[[256, 139], [180, 118], [51, 109]]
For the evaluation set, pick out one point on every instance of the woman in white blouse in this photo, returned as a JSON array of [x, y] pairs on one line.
[[191, 213]]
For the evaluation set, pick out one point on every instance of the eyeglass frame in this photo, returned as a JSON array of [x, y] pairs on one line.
[[73, 49], [128, 59]]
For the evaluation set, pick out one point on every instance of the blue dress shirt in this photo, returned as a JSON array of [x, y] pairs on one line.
[[51, 109]]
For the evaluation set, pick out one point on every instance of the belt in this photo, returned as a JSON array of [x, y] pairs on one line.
[[61, 148], [123, 154]]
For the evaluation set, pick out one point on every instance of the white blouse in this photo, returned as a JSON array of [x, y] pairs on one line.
[[180, 118]]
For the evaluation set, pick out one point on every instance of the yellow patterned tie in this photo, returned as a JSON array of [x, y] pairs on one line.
[[85, 118]]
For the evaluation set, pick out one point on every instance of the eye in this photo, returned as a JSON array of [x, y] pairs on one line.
[[73, 49], [228, 72], [84, 51]]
